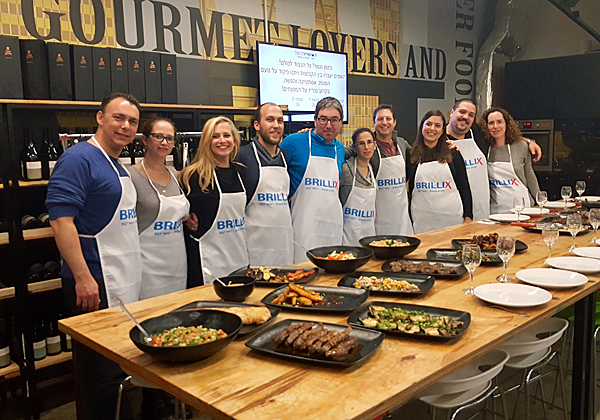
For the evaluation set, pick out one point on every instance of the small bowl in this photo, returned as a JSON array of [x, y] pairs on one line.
[[388, 252], [229, 323], [234, 293], [339, 266]]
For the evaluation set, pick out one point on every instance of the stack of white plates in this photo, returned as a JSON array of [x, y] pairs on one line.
[[551, 278]]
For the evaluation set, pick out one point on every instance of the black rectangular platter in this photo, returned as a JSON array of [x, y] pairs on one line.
[[246, 329], [282, 270], [423, 281], [584, 230], [520, 246], [449, 254], [368, 342], [363, 312], [350, 299], [461, 270]]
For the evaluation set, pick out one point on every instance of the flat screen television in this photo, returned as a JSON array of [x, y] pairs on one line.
[[300, 77]]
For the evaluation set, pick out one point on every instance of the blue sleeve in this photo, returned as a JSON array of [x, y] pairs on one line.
[[296, 147]]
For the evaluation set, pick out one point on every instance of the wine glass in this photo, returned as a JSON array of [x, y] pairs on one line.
[[594, 221], [550, 234], [565, 193], [505, 247], [542, 198], [580, 188], [471, 258], [574, 226], [519, 206]]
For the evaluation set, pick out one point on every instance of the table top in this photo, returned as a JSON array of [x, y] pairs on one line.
[[242, 384]]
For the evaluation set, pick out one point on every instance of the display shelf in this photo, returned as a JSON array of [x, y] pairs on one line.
[[10, 371], [53, 360], [4, 238], [7, 293], [39, 233], [40, 183], [44, 286]]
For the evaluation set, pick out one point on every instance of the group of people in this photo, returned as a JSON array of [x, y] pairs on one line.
[[147, 231]]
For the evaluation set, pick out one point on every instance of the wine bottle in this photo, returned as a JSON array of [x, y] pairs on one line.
[[138, 151], [37, 273], [30, 222], [44, 219], [53, 345], [65, 339], [4, 344], [125, 157], [39, 341], [53, 268], [31, 165], [50, 151]]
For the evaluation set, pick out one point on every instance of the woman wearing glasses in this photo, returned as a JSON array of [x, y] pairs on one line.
[[161, 207], [357, 189]]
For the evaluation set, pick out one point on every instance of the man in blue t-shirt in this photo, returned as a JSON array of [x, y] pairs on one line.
[[91, 202], [315, 165]]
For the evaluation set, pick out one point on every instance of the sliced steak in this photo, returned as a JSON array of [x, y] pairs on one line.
[[342, 350], [296, 333]]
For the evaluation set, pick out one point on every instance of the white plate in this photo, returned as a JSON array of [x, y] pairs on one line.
[[590, 198], [558, 204], [579, 264], [549, 277], [588, 251], [508, 217], [532, 211], [513, 295]]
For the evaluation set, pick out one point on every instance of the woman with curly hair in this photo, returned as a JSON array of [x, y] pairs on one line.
[[437, 178], [217, 195], [510, 170]]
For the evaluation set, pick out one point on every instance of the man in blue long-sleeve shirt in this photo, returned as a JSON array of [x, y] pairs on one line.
[[315, 165]]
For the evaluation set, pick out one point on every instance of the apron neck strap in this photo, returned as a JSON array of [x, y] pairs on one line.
[[108, 158]]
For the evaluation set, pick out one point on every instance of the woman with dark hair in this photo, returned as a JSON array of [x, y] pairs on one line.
[[161, 206], [510, 169], [217, 195], [357, 189], [438, 184]]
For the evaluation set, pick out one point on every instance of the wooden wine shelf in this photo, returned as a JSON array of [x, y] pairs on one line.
[[40, 183], [7, 293], [53, 360], [40, 233], [4, 238], [11, 371], [44, 286]]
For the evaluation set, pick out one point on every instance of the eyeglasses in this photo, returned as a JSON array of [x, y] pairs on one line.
[[363, 144], [159, 138], [333, 121]]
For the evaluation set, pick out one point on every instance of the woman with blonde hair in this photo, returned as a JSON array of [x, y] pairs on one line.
[[217, 196]]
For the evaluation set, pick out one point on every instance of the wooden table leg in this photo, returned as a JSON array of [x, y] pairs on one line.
[[582, 395]]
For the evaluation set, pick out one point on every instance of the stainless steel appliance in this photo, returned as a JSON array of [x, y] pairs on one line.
[[542, 131]]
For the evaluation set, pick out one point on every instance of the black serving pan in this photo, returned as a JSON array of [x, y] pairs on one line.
[[229, 323], [246, 329], [449, 254], [520, 246], [349, 299], [386, 252], [368, 342], [362, 255], [461, 270], [424, 281], [363, 312], [282, 271]]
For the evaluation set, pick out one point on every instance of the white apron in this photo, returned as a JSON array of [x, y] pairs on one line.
[[359, 212], [119, 246], [391, 203], [435, 201], [505, 186], [476, 165], [316, 209], [164, 262], [268, 220], [223, 247]]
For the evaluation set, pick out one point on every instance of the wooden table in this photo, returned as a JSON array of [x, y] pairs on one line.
[[241, 384]]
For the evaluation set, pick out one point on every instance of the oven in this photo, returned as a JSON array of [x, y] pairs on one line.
[[542, 131]]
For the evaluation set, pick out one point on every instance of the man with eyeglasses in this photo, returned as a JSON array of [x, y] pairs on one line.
[[268, 222], [315, 164], [91, 201]]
